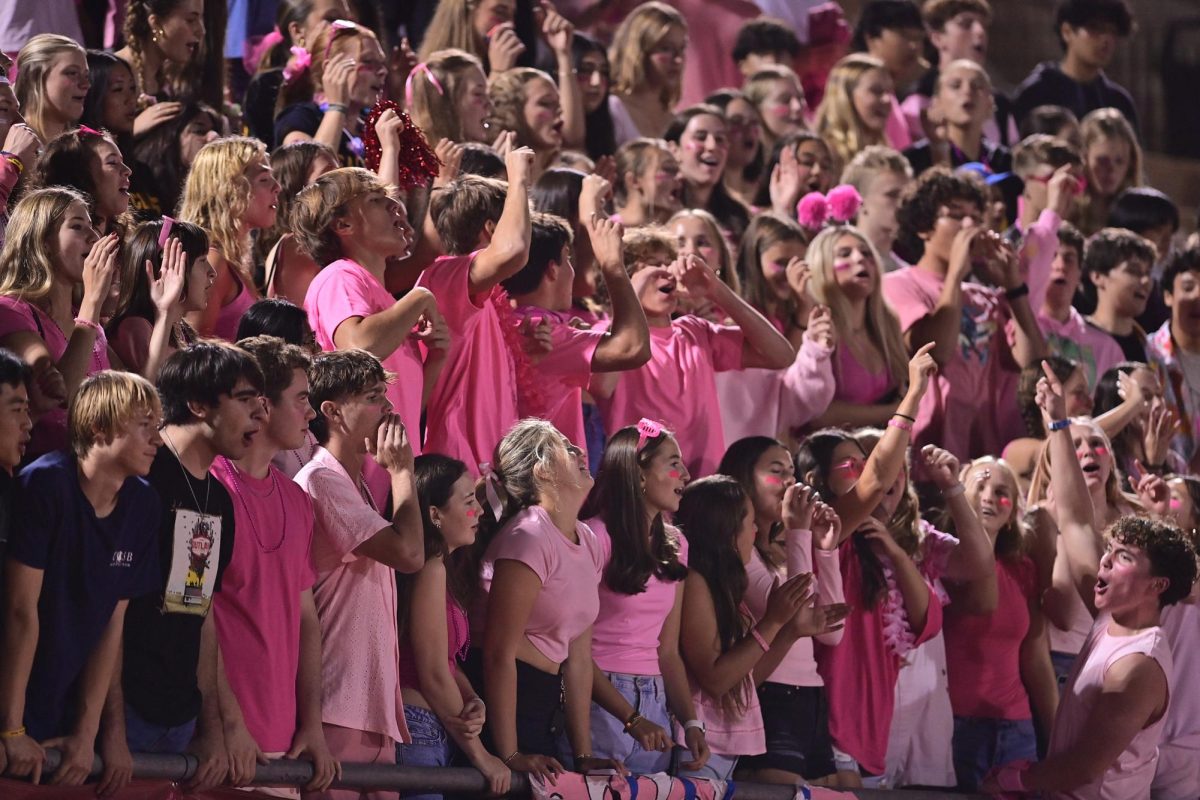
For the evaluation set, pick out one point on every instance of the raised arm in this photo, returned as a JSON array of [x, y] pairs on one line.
[[626, 345], [166, 293], [508, 249], [399, 545], [1082, 544], [559, 34], [942, 326], [887, 459], [972, 564]]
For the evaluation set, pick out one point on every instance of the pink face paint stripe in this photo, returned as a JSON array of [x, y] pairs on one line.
[[773, 480], [674, 474]]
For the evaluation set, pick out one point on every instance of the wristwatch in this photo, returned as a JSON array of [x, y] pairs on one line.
[[694, 723]]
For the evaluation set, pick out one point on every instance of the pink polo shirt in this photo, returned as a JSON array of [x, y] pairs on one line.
[[625, 635], [678, 388], [356, 603], [563, 373], [952, 414], [474, 401], [257, 611], [569, 572], [345, 290]]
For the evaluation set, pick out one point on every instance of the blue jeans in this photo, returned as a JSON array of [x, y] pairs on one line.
[[431, 745], [980, 744], [648, 695], [1063, 662], [143, 736], [717, 768]]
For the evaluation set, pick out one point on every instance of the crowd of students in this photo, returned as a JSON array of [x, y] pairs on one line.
[[835, 424]]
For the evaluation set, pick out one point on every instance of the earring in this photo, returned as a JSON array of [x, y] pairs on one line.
[[437, 523]]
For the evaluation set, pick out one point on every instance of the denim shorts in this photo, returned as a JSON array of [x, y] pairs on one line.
[[430, 747], [1063, 663], [981, 744], [796, 719], [718, 767], [648, 696]]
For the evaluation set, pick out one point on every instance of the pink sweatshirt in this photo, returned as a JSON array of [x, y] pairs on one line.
[[769, 402], [798, 667]]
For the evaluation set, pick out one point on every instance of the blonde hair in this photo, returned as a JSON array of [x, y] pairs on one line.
[[1101, 124], [639, 244], [1010, 541], [1118, 500], [27, 259], [882, 326], [507, 93], [633, 157], [451, 27], [637, 35], [837, 121], [105, 403], [758, 85], [521, 463], [435, 111], [34, 63], [724, 268], [217, 193], [324, 201], [869, 162]]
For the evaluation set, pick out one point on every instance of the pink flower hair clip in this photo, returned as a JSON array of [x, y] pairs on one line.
[[299, 63], [647, 429]]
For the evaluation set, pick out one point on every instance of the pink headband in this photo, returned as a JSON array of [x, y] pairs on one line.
[[338, 26], [165, 233], [490, 481], [408, 84], [647, 429], [84, 130]]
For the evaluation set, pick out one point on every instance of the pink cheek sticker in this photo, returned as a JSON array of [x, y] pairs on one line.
[[842, 266], [1102, 451], [693, 146], [472, 513], [674, 474], [773, 480], [1176, 504], [1004, 502], [781, 110]]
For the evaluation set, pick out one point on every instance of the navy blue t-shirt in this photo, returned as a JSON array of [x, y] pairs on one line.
[[88, 564]]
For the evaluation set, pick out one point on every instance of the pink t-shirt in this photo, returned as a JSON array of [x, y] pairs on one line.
[[570, 574], [1178, 773], [50, 431], [625, 634], [344, 289], [704, 71], [952, 414], [474, 401], [677, 387], [771, 402], [257, 611], [861, 672], [227, 320], [855, 384], [1133, 771], [563, 373], [356, 603], [1094, 349], [983, 651], [799, 666]]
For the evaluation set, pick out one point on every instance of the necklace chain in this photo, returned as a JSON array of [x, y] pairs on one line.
[[187, 478], [240, 489]]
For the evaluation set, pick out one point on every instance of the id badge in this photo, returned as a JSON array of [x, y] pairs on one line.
[[196, 545]]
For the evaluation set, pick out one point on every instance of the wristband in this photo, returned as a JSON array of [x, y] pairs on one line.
[[14, 733], [338, 107], [632, 720], [581, 756], [1059, 424], [695, 723], [901, 424], [904, 416], [954, 491], [1016, 292], [758, 637], [13, 159]]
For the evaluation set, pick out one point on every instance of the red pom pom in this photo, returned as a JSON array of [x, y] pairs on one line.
[[418, 163]]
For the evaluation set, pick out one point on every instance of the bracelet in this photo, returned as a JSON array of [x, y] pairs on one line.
[[632, 720], [14, 733], [904, 416], [694, 723], [1059, 424], [1016, 292], [13, 159], [87, 323], [901, 424], [954, 491], [338, 107], [515, 753], [581, 756], [758, 637]]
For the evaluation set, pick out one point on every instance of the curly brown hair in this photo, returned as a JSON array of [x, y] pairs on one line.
[[933, 190], [1171, 553]]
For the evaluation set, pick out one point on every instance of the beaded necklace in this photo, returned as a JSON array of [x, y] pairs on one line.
[[240, 489]]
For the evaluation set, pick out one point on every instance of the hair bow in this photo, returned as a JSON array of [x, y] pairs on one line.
[[165, 233], [298, 64], [647, 429], [490, 481], [839, 206], [84, 130]]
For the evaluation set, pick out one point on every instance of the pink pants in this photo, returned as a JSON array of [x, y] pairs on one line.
[[359, 747]]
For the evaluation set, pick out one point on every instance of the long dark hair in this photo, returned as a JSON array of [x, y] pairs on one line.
[[68, 160], [762, 195], [275, 316], [738, 463], [435, 476], [291, 165], [814, 460], [710, 515], [141, 247], [732, 215], [158, 151], [600, 138], [1105, 398], [100, 67], [640, 548], [286, 13]]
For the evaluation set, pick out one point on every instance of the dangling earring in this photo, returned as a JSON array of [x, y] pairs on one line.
[[437, 523]]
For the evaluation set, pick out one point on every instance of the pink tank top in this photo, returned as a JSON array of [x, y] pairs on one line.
[[227, 321], [854, 383], [458, 639], [1133, 771]]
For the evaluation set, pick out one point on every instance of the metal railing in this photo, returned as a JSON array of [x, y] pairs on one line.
[[448, 780]]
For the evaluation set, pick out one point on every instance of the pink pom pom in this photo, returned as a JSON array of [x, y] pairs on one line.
[[812, 210], [844, 202]]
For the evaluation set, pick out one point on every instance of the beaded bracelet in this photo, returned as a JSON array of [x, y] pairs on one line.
[[758, 637], [901, 424]]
